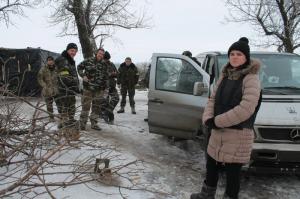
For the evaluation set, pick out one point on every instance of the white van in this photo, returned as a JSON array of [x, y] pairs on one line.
[[179, 88]]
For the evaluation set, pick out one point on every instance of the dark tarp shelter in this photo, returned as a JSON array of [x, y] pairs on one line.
[[19, 69]]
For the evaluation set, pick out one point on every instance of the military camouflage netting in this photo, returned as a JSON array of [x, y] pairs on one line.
[[19, 68]]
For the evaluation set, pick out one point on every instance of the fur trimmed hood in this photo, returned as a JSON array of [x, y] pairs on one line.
[[233, 73]]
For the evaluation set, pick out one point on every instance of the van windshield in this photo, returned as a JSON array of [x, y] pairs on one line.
[[278, 72]]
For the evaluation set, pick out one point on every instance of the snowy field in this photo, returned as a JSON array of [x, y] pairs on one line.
[[169, 170]]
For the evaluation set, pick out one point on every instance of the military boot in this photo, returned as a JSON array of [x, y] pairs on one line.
[[111, 117], [63, 120], [133, 110], [95, 126], [82, 126], [51, 119], [122, 110], [207, 192]]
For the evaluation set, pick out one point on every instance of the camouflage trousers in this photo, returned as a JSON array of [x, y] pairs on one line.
[[90, 99], [66, 105], [131, 93], [111, 101], [49, 104]]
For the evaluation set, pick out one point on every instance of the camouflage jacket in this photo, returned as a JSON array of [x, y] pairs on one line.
[[96, 72], [68, 82], [128, 75], [113, 73], [47, 78]]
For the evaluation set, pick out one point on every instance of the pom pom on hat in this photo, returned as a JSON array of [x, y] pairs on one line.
[[242, 46]]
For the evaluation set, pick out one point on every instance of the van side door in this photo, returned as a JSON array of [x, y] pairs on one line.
[[173, 110]]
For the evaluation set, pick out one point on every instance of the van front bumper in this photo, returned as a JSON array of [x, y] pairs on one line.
[[273, 152], [275, 158]]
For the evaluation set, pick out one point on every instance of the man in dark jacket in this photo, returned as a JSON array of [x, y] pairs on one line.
[[128, 77], [113, 95], [68, 85], [95, 81]]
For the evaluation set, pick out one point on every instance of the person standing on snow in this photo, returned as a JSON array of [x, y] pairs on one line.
[[47, 78], [68, 85], [95, 82], [128, 77], [113, 95], [230, 114]]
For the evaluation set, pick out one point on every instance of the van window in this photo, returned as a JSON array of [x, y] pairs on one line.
[[176, 75], [279, 71], [222, 61]]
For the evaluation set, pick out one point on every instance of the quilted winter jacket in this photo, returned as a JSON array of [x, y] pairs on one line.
[[234, 145]]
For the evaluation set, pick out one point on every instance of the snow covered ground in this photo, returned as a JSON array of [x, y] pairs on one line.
[[177, 169]]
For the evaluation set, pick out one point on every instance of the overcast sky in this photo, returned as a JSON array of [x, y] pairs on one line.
[[177, 25]]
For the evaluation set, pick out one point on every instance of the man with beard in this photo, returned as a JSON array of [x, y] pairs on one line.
[[47, 78], [95, 82]]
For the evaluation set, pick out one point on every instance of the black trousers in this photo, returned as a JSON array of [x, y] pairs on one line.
[[233, 171], [131, 93], [66, 105]]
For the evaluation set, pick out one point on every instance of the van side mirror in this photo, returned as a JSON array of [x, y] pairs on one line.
[[200, 88]]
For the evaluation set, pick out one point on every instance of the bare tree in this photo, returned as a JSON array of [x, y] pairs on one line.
[[277, 19], [95, 20], [37, 159], [15, 7]]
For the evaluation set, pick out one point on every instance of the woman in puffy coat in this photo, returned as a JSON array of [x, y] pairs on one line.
[[230, 114]]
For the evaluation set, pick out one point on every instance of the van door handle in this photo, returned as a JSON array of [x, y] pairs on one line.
[[156, 100]]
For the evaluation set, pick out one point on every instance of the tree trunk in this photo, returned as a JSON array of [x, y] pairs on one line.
[[288, 46], [87, 43]]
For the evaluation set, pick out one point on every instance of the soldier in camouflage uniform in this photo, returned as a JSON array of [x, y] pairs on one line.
[[95, 82], [113, 95], [68, 85], [47, 78], [128, 77]]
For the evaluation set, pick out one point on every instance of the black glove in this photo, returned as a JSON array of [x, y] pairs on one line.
[[210, 123]]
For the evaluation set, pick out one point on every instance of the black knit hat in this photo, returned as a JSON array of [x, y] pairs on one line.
[[71, 46], [241, 45], [187, 53], [50, 58], [106, 55]]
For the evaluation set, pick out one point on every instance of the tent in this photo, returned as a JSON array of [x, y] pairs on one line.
[[19, 69]]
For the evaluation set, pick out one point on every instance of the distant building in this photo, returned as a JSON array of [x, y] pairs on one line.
[[19, 69]]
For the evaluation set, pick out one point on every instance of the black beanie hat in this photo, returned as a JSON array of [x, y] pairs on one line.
[[187, 53], [106, 55], [241, 45], [50, 58], [71, 46]]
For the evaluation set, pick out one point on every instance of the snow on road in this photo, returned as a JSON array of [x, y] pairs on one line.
[[180, 167], [174, 168]]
